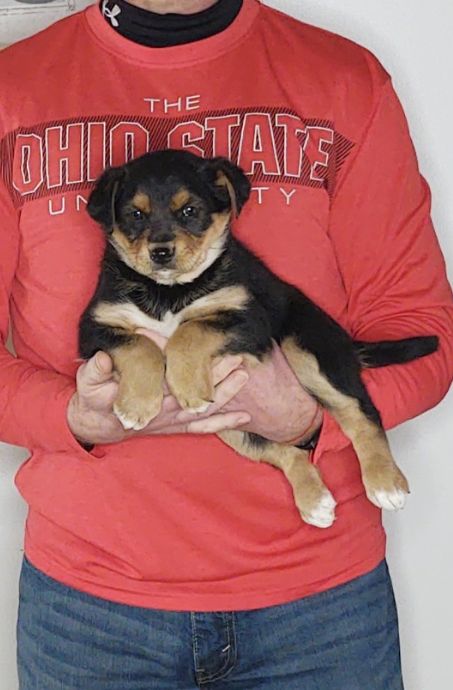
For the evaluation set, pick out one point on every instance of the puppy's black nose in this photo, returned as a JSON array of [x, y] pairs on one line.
[[162, 255]]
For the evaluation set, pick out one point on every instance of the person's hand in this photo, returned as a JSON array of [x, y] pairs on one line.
[[280, 408], [90, 411]]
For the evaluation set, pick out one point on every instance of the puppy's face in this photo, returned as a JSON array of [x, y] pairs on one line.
[[168, 213]]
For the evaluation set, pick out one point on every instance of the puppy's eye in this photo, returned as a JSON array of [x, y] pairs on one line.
[[137, 214], [189, 212]]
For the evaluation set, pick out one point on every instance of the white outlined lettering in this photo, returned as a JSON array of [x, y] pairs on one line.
[[28, 159], [183, 135], [134, 139], [257, 145], [61, 156]]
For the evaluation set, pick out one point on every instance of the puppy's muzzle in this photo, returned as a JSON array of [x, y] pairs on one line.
[[162, 255]]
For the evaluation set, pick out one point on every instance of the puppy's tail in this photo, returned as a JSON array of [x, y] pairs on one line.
[[385, 352]]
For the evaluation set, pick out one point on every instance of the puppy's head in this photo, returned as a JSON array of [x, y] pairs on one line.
[[168, 213]]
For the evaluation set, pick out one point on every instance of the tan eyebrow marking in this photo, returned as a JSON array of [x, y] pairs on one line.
[[142, 202], [179, 199]]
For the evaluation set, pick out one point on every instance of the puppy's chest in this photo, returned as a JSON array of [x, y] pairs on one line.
[[165, 323], [157, 317]]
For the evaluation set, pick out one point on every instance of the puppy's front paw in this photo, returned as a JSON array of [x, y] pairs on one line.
[[194, 393], [136, 413], [386, 488], [193, 404]]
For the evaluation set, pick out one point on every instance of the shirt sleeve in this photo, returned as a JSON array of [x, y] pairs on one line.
[[392, 267], [33, 402]]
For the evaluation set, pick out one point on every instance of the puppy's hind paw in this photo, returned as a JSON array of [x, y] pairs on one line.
[[388, 489], [323, 513], [388, 500]]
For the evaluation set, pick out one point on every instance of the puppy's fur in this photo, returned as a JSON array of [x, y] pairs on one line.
[[172, 265]]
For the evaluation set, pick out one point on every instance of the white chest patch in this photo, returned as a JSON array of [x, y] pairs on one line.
[[129, 317], [166, 326]]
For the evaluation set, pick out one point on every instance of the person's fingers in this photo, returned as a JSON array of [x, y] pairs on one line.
[[218, 422], [222, 366], [159, 339], [95, 371], [171, 417], [224, 392], [227, 389]]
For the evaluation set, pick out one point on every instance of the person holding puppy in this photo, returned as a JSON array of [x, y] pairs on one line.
[[160, 558]]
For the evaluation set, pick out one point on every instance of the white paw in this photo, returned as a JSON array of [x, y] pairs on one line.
[[130, 421], [323, 514], [389, 500]]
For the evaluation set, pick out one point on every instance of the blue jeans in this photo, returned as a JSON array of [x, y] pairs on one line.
[[343, 639]]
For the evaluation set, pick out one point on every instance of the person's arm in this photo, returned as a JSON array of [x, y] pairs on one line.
[[391, 266], [33, 401]]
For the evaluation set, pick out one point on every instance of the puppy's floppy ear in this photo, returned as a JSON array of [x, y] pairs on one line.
[[102, 200], [228, 177]]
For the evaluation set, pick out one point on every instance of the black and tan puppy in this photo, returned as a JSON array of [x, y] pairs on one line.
[[172, 265]]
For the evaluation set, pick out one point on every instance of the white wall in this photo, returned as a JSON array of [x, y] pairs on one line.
[[413, 40]]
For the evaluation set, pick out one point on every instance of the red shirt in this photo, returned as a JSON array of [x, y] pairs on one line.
[[338, 208]]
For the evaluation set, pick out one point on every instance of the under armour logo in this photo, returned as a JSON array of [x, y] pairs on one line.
[[111, 13]]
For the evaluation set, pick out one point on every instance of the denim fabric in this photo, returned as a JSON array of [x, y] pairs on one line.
[[343, 639]]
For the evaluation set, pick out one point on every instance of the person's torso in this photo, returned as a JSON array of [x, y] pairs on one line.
[[270, 99]]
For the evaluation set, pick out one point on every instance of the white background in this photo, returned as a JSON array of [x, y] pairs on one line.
[[413, 39]]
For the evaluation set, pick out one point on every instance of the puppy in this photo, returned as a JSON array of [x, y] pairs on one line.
[[172, 265]]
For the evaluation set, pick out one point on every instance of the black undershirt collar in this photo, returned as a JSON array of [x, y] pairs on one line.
[[163, 30]]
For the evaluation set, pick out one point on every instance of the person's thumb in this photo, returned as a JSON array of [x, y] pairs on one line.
[[97, 370], [104, 365]]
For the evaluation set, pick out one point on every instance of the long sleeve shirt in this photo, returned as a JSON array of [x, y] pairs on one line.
[[338, 208]]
